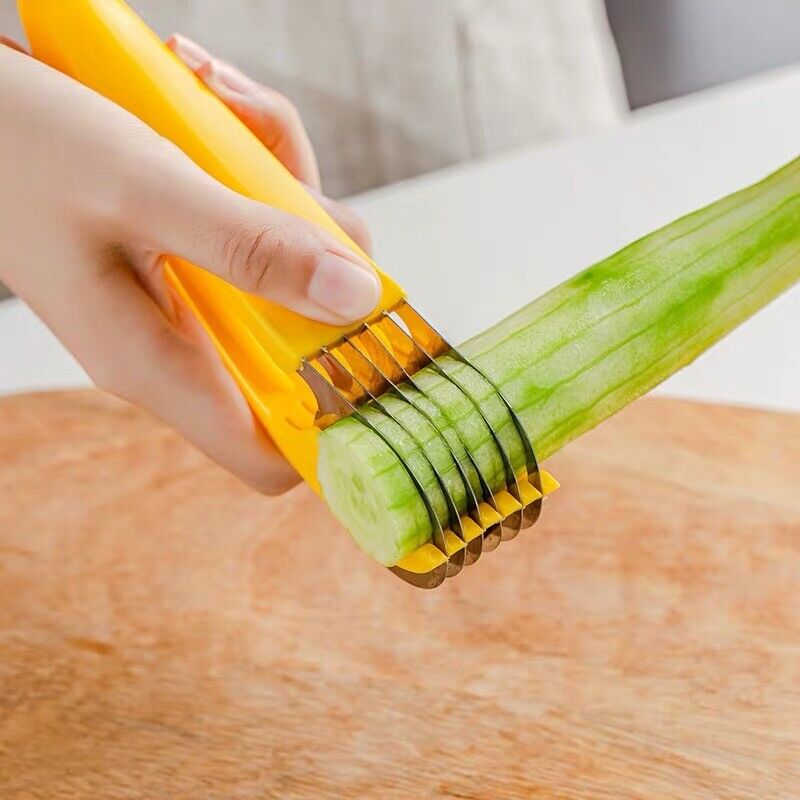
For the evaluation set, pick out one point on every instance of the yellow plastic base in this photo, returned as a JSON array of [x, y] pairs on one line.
[[428, 558]]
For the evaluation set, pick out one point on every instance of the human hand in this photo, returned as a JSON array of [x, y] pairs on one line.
[[274, 120], [90, 198]]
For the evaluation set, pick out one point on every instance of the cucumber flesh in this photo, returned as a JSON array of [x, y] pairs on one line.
[[462, 461], [370, 487], [471, 426], [420, 436], [569, 360], [484, 396]]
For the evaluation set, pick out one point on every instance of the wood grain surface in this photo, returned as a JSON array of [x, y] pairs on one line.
[[166, 633]]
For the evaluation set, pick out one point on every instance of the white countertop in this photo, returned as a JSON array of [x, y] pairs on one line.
[[473, 243]]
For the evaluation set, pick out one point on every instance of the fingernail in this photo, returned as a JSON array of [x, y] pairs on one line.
[[190, 52], [346, 289]]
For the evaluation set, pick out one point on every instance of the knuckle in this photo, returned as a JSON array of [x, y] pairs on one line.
[[284, 106], [282, 111], [231, 242], [254, 256]]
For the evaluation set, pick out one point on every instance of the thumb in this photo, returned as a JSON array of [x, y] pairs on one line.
[[182, 211]]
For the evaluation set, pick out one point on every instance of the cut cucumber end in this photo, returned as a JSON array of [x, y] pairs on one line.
[[370, 492]]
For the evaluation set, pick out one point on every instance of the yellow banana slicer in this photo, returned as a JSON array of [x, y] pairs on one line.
[[298, 375]]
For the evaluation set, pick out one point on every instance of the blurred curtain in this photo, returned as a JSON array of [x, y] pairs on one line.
[[393, 88]]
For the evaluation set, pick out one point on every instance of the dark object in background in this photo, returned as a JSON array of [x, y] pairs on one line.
[[671, 47]]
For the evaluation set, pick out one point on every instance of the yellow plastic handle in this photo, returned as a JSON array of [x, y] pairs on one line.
[[106, 46]]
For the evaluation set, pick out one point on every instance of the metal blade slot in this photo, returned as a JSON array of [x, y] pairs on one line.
[[355, 356], [369, 382], [371, 343], [428, 339], [474, 546], [404, 348], [332, 405], [422, 333], [492, 531], [339, 379], [512, 516], [422, 330], [383, 357]]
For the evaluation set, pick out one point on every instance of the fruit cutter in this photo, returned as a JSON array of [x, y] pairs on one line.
[[299, 376]]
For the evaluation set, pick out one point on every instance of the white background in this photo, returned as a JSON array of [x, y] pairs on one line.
[[474, 243]]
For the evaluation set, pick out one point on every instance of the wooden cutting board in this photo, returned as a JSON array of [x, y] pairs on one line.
[[166, 633]]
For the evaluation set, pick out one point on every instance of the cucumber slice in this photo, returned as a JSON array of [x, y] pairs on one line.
[[436, 417], [470, 425], [422, 434], [493, 409]]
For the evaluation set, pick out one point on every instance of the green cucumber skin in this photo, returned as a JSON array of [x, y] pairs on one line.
[[614, 331], [584, 350]]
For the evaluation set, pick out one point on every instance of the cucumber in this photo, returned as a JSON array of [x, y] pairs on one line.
[[565, 362]]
